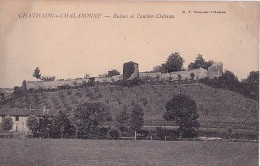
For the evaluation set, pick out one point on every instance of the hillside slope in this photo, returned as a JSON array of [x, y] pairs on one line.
[[214, 105]]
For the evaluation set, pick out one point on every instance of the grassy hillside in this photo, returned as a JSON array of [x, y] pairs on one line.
[[214, 105]]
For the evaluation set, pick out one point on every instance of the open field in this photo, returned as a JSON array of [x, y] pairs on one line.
[[111, 152]]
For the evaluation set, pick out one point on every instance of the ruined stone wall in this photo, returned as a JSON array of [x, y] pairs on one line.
[[116, 78], [215, 70], [146, 75], [198, 74], [53, 84], [130, 71]]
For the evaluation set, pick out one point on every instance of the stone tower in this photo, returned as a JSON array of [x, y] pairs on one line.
[[130, 71]]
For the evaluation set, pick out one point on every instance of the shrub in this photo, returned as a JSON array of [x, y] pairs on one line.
[[171, 134], [103, 131], [114, 133], [142, 133], [7, 123], [32, 123]]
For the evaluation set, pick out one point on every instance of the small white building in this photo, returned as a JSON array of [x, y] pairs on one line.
[[20, 116]]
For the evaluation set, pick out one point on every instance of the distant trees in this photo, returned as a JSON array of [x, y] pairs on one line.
[[173, 63], [56, 126], [7, 123], [2, 98], [229, 80], [159, 68], [200, 62], [226, 81], [2, 95], [130, 123], [251, 85], [62, 125], [114, 133], [113, 72], [18, 91], [136, 117], [89, 116], [123, 120], [36, 73], [48, 78], [183, 111], [46, 126]]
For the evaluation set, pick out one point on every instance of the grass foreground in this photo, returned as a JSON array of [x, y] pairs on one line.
[[74, 152]]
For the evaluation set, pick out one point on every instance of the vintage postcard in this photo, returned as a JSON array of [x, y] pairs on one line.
[[130, 83]]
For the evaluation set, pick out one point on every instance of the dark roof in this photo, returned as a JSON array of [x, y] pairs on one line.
[[27, 112]]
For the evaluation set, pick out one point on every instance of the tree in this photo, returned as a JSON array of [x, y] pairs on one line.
[[200, 62], [123, 120], [2, 98], [89, 116], [2, 95], [192, 75], [113, 72], [253, 77], [114, 133], [230, 81], [33, 123], [87, 76], [174, 63], [136, 118], [62, 125], [251, 85], [159, 68], [36, 73], [183, 111], [46, 125], [7, 123]]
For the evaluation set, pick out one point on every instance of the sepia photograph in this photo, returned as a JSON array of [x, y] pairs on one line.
[[129, 83]]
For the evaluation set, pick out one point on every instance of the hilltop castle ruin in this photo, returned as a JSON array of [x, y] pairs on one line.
[[131, 71]]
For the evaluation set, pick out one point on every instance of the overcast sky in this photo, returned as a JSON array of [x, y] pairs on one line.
[[69, 48]]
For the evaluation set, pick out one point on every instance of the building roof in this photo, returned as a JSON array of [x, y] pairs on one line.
[[27, 112]]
